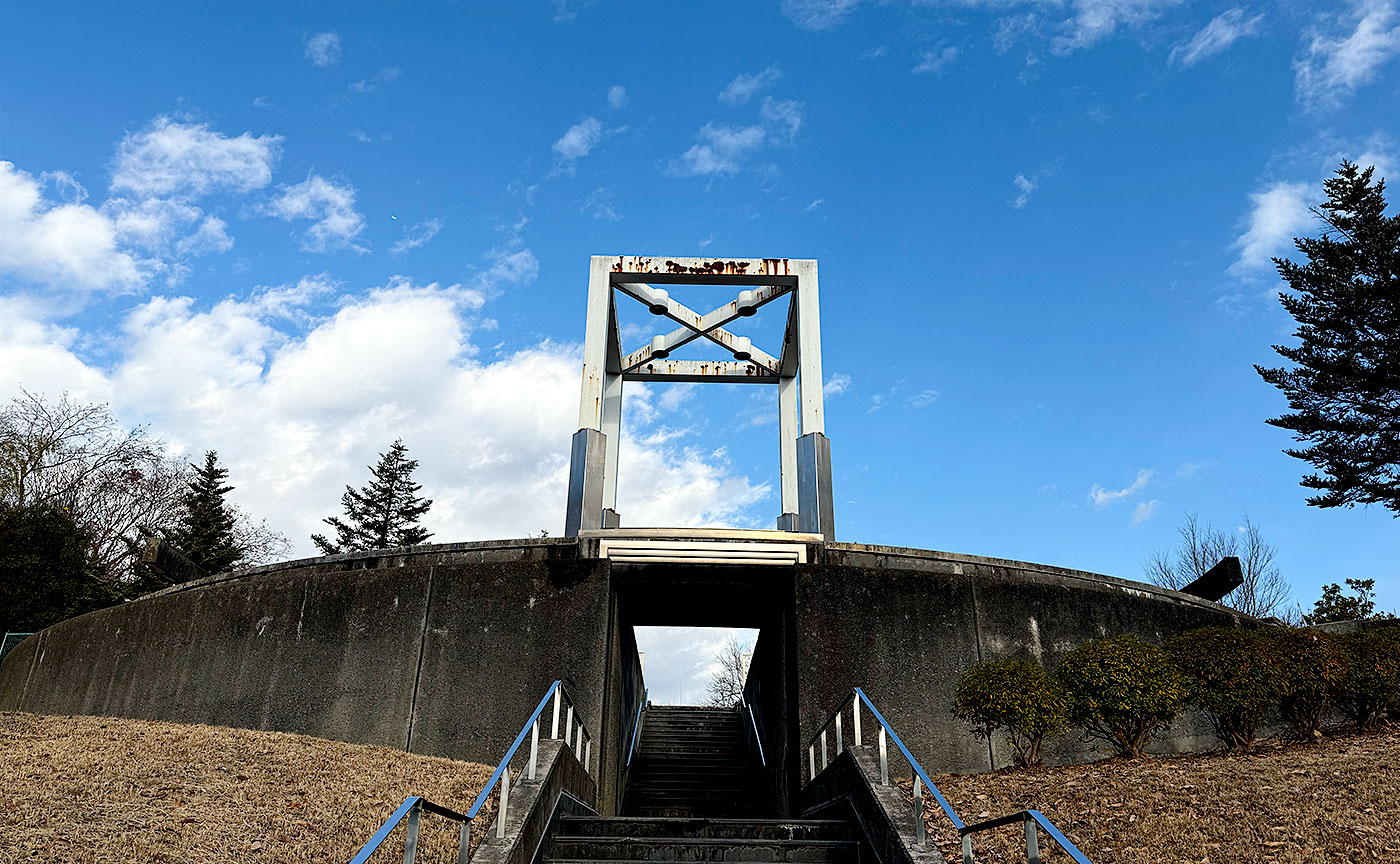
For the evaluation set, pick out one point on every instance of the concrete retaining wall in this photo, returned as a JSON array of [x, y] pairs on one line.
[[445, 650]]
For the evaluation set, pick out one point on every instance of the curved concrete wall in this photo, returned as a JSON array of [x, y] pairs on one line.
[[445, 650]]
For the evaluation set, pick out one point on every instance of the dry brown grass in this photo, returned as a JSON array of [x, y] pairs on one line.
[[100, 789], [1285, 802]]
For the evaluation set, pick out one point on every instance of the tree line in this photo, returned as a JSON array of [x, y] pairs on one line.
[[80, 496]]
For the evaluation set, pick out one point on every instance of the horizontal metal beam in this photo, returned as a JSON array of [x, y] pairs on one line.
[[725, 371], [703, 267]]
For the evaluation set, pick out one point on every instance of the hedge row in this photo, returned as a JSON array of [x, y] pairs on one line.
[[1124, 691]]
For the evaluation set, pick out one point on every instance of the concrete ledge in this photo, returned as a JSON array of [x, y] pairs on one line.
[[884, 815], [532, 804]]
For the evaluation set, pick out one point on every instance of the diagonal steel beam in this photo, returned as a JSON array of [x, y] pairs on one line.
[[694, 325]]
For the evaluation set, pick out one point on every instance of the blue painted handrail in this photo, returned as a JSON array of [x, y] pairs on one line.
[[414, 805], [501, 767], [1032, 819], [636, 725], [913, 763], [393, 822]]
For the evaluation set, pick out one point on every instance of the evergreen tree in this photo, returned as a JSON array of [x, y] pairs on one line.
[[1344, 390], [206, 531], [385, 513]]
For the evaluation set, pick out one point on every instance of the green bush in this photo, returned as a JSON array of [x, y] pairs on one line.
[[1234, 675], [1370, 683], [1121, 691], [1013, 695], [1312, 665]]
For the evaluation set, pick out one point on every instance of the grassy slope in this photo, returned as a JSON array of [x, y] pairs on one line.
[[1334, 801], [90, 789]]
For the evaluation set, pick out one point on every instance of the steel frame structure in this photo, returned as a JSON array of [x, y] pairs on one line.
[[805, 452]]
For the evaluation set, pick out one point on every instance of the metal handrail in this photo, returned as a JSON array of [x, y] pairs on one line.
[[577, 737], [1033, 820], [758, 739], [636, 725]]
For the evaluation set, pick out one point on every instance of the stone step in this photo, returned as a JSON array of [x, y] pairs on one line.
[[702, 849], [770, 829]]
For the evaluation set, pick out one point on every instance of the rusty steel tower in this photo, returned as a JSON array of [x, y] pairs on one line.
[[805, 452]]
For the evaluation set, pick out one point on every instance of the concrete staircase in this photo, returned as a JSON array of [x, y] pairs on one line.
[[691, 762], [690, 798]]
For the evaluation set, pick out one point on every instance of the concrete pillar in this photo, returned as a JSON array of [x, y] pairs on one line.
[[587, 457], [816, 510]]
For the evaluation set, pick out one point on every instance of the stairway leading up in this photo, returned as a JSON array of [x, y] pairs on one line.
[[694, 795]]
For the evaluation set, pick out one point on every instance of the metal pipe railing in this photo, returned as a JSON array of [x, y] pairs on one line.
[[636, 727], [575, 736], [753, 721], [1033, 820]]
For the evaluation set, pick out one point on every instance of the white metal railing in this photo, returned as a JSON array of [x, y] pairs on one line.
[[1033, 821], [575, 736], [637, 726]]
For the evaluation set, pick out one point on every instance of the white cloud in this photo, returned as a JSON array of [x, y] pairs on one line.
[[170, 159], [1145, 510], [210, 236], [297, 414], [1280, 212], [818, 14], [836, 385], [330, 204], [578, 142], [745, 87], [323, 49], [617, 96], [66, 245], [922, 399], [1024, 187], [600, 204], [1095, 20], [721, 151], [1224, 30], [1012, 29], [416, 236], [784, 116], [934, 62], [511, 266], [1333, 66], [378, 81], [1103, 497]]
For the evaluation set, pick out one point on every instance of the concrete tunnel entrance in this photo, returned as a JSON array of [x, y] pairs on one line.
[[760, 599]]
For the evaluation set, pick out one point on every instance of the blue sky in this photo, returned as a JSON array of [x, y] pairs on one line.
[[293, 232]]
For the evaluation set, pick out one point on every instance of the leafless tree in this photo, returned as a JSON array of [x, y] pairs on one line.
[[727, 687], [114, 482], [1264, 591]]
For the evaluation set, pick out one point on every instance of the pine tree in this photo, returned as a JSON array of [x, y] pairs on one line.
[[383, 514], [1344, 390], [206, 532]]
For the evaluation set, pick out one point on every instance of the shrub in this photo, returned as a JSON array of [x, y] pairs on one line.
[[1312, 665], [1370, 682], [1234, 675], [1121, 691], [1013, 695]]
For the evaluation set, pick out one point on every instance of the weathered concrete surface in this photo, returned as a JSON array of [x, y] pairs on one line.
[[530, 808], [850, 787], [903, 623]]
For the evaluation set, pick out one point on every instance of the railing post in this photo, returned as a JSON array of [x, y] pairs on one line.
[[587, 752], [505, 799], [534, 746], [812, 760], [1032, 841], [884, 759], [823, 749], [855, 709], [464, 842], [967, 849], [554, 730], [569, 729], [410, 840], [920, 829], [839, 745]]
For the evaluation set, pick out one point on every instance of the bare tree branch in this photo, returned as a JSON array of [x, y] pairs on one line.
[[727, 687], [1263, 593]]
